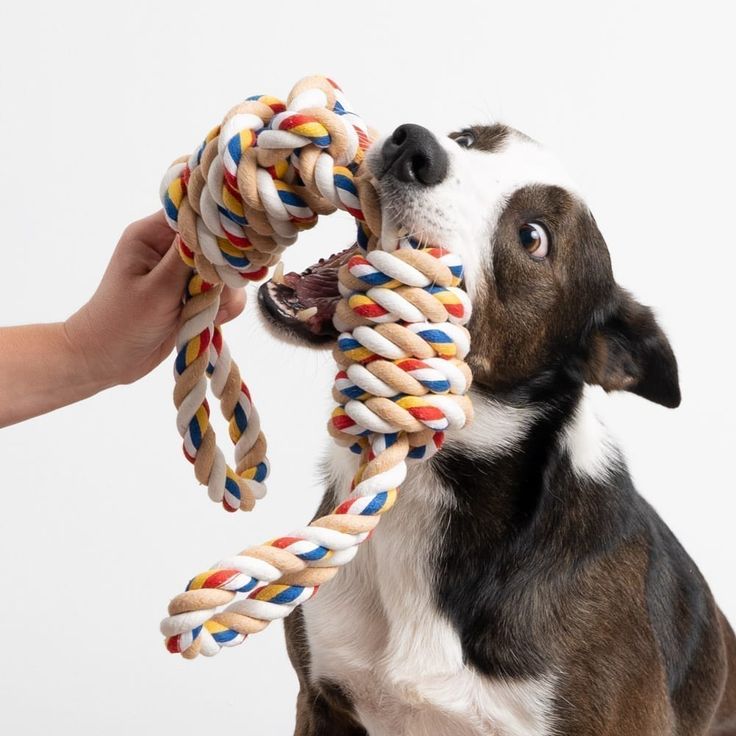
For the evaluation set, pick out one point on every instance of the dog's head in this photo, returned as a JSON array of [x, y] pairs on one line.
[[545, 303]]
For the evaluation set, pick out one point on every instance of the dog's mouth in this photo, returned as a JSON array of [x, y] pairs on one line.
[[303, 304]]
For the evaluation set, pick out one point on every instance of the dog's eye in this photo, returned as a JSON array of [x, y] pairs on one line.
[[464, 140], [534, 238]]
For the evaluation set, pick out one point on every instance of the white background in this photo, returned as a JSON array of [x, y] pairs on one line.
[[101, 521]]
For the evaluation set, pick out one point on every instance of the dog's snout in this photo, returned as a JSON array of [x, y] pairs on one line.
[[413, 155]]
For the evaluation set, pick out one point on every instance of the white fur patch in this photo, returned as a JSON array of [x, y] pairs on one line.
[[592, 452], [496, 428], [375, 629]]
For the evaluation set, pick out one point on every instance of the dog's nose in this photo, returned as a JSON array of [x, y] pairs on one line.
[[413, 155]]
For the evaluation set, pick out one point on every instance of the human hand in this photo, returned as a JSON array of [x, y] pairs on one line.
[[129, 325]]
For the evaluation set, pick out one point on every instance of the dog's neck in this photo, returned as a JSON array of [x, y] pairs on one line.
[[499, 467], [535, 490]]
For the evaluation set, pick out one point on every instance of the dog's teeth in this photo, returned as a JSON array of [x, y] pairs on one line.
[[278, 273], [303, 315], [389, 234]]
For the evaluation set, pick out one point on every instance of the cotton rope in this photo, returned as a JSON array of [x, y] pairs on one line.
[[236, 203]]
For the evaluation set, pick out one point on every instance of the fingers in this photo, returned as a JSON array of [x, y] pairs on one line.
[[232, 303], [153, 231], [172, 274]]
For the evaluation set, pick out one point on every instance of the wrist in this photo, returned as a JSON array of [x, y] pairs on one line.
[[93, 369]]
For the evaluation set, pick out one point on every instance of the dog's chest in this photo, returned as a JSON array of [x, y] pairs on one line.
[[375, 630]]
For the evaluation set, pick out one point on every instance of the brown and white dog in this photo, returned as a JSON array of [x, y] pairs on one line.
[[521, 586]]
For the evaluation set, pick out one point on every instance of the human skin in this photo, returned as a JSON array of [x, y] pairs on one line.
[[122, 333]]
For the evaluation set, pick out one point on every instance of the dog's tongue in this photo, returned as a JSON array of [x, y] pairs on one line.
[[315, 289]]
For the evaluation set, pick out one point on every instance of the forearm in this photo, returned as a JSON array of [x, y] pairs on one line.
[[41, 370]]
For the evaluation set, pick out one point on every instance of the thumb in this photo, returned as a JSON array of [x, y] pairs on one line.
[[232, 303], [171, 269]]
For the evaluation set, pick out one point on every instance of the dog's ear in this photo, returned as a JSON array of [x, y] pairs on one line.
[[630, 352]]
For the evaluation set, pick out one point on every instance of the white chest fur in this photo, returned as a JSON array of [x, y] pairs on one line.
[[376, 631]]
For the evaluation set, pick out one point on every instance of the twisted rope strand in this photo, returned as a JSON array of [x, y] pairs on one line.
[[242, 197]]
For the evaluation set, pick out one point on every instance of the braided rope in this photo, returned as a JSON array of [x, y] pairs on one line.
[[258, 179]]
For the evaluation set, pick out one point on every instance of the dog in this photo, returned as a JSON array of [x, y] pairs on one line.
[[521, 586]]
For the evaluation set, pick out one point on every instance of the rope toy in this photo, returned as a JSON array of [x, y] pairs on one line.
[[266, 173]]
